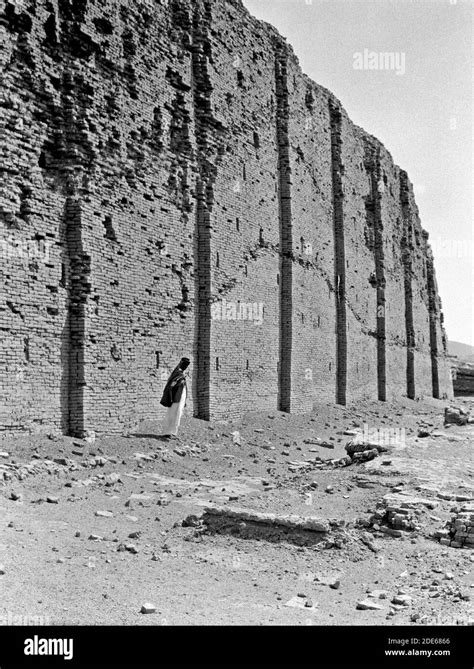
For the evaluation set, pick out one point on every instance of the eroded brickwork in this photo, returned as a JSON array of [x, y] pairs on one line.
[[175, 185]]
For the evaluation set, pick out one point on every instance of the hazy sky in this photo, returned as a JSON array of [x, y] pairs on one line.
[[424, 115]]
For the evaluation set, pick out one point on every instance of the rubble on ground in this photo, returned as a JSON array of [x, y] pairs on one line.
[[459, 531], [455, 416], [399, 513]]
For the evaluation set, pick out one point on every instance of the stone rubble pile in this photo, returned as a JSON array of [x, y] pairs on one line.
[[359, 451], [394, 520], [459, 531], [395, 514], [456, 416], [58, 467], [20, 471]]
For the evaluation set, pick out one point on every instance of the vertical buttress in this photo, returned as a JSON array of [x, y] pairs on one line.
[[286, 276], [339, 253]]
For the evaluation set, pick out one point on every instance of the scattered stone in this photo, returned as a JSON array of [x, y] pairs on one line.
[[78, 534], [4, 454], [2, 570], [16, 497], [326, 444], [329, 489], [378, 594], [368, 605], [95, 537], [148, 608], [301, 603], [111, 479], [455, 416], [191, 521], [423, 433], [402, 600], [368, 540], [52, 500], [104, 514], [134, 535]]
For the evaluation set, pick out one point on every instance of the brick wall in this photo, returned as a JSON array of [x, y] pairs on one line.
[[175, 185]]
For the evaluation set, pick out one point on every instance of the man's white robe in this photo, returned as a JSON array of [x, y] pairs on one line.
[[173, 415]]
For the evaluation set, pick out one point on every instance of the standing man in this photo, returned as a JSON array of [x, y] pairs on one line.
[[174, 398]]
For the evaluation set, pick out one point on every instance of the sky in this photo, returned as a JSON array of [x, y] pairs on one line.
[[421, 109]]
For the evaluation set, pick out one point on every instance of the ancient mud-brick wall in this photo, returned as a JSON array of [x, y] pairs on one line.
[[175, 185]]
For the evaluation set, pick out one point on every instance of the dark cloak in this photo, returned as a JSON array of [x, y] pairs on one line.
[[174, 387]]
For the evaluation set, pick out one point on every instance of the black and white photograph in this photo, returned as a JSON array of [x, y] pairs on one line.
[[236, 332]]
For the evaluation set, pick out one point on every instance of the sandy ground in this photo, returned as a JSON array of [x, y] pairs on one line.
[[63, 564]]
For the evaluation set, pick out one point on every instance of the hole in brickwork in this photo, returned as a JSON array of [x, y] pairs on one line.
[[115, 352], [129, 46], [109, 229], [309, 99], [319, 321], [237, 224], [157, 356], [217, 364], [256, 140], [51, 32], [103, 26], [131, 80], [240, 78], [217, 259], [17, 22], [26, 348], [247, 365]]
